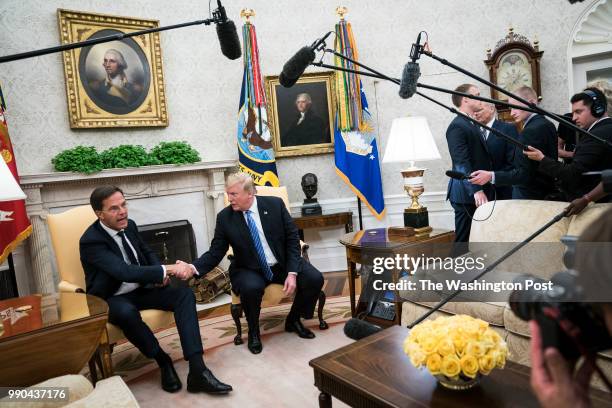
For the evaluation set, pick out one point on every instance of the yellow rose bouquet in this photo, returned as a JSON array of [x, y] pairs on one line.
[[457, 350]]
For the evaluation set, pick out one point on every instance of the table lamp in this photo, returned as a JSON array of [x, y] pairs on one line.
[[9, 189], [411, 140]]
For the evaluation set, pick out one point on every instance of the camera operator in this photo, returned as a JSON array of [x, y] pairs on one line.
[[589, 110], [557, 381]]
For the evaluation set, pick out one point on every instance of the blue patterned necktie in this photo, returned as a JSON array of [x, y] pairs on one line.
[[258, 246]]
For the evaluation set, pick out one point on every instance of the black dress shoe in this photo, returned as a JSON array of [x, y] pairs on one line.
[[255, 345], [205, 381], [298, 327], [169, 379]]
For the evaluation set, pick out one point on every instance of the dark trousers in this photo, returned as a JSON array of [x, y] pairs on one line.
[[124, 311], [463, 225], [250, 285]]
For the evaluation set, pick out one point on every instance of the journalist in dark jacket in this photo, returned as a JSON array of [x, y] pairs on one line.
[[120, 268], [590, 154], [266, 249]]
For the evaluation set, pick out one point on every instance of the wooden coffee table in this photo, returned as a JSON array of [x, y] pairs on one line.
[[375, 372], [45, 336]]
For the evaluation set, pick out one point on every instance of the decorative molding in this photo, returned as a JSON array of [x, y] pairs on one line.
[[71, 177], [595, 26]]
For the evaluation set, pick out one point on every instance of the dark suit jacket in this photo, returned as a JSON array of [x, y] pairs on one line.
[[590, 155], [105, 268], [502, 154], [311, 130], [231, 229], [524, 176], [468, 153]]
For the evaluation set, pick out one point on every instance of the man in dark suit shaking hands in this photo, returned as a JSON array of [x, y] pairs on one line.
[[123, 270], [266, 249]]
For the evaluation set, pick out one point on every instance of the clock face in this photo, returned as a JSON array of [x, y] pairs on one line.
[[513, 72]]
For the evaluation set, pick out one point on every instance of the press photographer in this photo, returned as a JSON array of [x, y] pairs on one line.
[[573, 322]]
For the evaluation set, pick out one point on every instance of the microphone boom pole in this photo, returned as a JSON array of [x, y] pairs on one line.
[[108, 38], [380, 75]]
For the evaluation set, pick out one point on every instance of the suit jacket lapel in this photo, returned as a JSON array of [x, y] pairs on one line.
[[113, 244]]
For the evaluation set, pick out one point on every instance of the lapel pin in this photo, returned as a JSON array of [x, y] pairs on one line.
[[265, 212]]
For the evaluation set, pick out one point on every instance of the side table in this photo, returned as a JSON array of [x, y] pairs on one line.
[[325, 220], [365, 245]]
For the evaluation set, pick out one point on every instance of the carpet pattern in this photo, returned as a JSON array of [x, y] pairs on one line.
[[218, 331]]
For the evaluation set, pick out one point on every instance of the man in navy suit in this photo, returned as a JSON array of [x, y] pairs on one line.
[[266, 248], [468, 152], [500, 150], [527, 183], [121, 269]]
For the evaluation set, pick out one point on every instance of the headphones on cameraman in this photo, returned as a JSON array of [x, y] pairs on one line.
[[598, 107]]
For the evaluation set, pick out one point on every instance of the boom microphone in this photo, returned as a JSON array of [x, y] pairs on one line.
[[410, 76], [226, 32], [294, 68], [412, 72], [457, 175], [357, 329]]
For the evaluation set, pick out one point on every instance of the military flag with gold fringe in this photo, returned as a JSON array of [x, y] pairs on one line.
[[356, 152], [255, 151]]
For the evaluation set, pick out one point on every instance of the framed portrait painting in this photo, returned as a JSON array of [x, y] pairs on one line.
[[302, 117], [113, 84]]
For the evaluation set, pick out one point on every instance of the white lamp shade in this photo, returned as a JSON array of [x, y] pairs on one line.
[[410, 140], [9, 189]]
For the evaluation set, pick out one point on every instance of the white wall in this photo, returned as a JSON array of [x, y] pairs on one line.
[[203, 87]]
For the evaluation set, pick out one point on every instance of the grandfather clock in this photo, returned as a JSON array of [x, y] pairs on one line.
[[514, 63]]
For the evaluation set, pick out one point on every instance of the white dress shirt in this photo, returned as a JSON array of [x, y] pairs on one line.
[[125, 286], [270, 258]]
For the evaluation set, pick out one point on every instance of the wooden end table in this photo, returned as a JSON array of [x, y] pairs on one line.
[[45, 336], [325, 220], [365, 245], [375, 372]]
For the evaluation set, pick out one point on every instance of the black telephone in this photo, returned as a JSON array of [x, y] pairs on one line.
[[381, 304], [382, 310]]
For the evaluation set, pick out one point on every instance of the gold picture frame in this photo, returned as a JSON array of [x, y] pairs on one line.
[[113, 84], [314, 133]]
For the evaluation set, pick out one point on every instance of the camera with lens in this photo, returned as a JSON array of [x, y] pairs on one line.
[[567, 322], [570, 325]]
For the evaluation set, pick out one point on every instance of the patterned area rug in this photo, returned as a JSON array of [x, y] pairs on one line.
[[218, 331]]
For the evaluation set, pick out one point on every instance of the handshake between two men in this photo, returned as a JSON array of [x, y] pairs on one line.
[[181, 270]]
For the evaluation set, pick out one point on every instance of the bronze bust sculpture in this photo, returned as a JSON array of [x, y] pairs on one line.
[[309, 187]]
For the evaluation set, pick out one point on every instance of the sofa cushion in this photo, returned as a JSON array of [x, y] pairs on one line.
[[578, 223], [515, 325], [515, 220], [490, 312], [111, 392]]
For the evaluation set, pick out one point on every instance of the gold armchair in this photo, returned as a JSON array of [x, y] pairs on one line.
[[274, 292], [66, 229]]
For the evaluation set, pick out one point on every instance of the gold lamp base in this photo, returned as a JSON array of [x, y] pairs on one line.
[[415, 216]]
